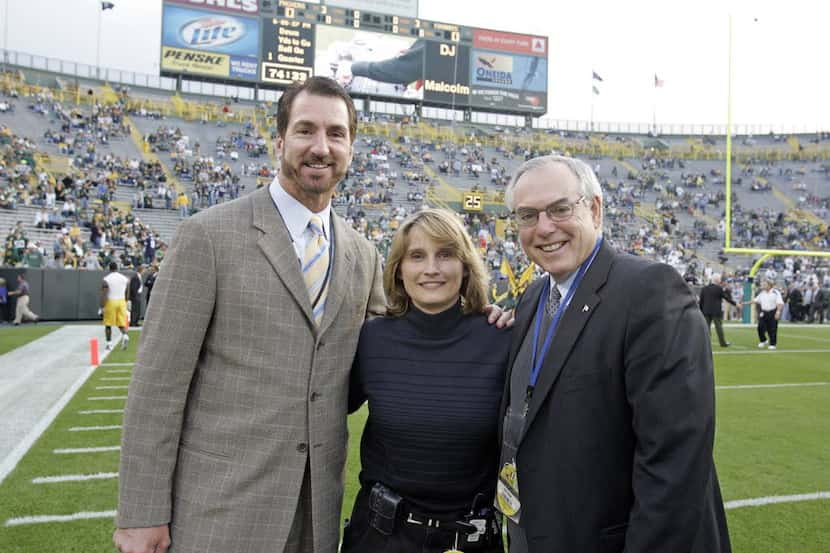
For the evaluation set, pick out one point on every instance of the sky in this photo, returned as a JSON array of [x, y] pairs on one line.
[[778, 50]]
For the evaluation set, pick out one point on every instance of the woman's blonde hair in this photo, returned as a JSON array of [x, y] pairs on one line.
[[444, 228]]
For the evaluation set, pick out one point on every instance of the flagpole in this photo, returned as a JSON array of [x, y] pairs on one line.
[[593, 93], [728, 223], [98, 47], [654, 110], [6, 36]]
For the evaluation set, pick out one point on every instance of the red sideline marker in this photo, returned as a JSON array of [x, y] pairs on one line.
[[93, 352]]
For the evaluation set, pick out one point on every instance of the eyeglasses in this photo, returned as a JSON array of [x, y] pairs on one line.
[[527, 217]]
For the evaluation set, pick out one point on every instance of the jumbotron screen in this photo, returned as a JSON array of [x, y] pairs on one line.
[[388, 57]]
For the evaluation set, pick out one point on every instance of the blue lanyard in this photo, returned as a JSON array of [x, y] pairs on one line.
[[535, 363]]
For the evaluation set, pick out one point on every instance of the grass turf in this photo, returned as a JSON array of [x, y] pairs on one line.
[[770, 441], [12, 337]]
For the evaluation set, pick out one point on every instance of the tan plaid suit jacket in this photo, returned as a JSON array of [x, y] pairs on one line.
[[234, 389]]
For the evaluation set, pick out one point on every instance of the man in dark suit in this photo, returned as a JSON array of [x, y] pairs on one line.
[[136, 288], [609, 415], [712, 297]]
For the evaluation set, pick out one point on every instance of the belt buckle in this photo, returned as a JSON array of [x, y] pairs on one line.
[[430, 522]]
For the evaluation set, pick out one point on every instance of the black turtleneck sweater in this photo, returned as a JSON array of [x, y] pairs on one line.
[[434, 384]]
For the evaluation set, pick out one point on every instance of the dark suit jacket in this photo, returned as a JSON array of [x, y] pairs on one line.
[[712, 297], [617, 449], [135, 284]]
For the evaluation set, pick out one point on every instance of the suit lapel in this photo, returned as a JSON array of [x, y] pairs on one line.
[[344, 260], [525, 311], [580, 310], [276, 245]]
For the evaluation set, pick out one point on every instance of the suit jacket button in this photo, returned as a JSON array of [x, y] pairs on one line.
[[314, 396], [320, 345], [302, 448]]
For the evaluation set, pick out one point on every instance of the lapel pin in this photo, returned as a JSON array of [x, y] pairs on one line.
[[585, 308]]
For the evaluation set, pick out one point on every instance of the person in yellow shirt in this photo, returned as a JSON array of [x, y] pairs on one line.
[[181, 204]]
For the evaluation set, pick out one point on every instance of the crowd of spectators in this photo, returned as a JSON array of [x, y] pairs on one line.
[[89, 229], [388, 180]]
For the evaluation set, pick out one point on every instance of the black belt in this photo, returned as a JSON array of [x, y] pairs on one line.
[[450, 524], [387, 507]]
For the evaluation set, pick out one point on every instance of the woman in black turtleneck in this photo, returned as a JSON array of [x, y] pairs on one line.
[[433, 372]]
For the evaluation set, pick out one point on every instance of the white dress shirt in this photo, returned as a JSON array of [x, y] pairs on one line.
[[296, 217]]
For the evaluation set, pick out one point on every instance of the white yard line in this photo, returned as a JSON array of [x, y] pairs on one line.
[[92, 428], [758, 351], [111, 387], [105, 398], [100, 411], [117, 364], [40, 519], [69, 450], [755, 386], [48, 372], [769, 500], [74, 478], [118, 371], [20, 450], [116, 379], [813, 338]]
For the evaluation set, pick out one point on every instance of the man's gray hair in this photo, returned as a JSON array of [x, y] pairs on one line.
[[583, 172], [715, 278]]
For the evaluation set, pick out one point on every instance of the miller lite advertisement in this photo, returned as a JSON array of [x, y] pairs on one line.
[[274, 43], [209, 43]]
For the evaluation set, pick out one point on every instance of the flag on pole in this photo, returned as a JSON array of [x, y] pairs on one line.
[[525, 277], [596, 76], [507, 270], [595, 89], [658, 83], [107, 6]]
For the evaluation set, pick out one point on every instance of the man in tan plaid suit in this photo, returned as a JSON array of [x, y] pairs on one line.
[[235, 428]]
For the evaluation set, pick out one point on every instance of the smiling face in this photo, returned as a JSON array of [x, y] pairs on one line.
[[431, 273], [557, 247], [316, 149]]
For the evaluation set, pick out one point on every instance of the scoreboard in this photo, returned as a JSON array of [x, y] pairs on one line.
[[273, 43]]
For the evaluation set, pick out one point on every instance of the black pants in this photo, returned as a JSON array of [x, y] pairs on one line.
[[768, 325], [718, 327], [360, 537], [135, 311], [817, 312]]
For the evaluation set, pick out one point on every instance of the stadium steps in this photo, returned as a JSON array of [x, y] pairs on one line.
[[648, 213], [629, 167], [788, 202], [150, 157], [26, 214], [55, 165], [178, 104], [108, 95], [162, 221], [794, 143], [444, 192]]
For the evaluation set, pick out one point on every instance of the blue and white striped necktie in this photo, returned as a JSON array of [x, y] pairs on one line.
[[315, 266]]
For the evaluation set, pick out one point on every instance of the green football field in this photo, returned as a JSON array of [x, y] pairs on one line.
[[772, 453]]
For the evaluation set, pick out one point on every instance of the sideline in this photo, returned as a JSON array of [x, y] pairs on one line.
[[10, 462], [773, 499], [84, 515], [767, 352], [756, 386]]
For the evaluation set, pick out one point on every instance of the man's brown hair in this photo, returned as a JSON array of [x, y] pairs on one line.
[[320, 86]]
